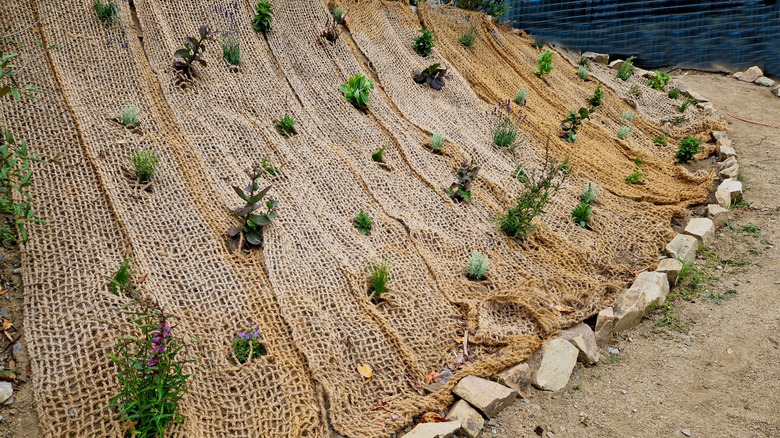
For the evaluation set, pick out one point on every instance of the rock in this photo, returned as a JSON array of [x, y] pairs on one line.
[[671, 267], [488, 397], [683, 247], [642, 73], [655, 285], [616, 64], [717, 214], [598, 58], [702, 229], [737, 75], [605, 322], [434, 430], [720, 135], [764, 81], [733, 188], [723, 197], [751, 74], [630, 309], [18, 271], [697, 96], [612, 350], [552, 365], [731, 171], [684, 89], [518, 378], [686, 432], [471, 421], [728, 162], [6, 391], [777, 92], [725, 150], [583, 338]]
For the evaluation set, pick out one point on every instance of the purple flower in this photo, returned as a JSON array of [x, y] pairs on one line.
[[152, 361]]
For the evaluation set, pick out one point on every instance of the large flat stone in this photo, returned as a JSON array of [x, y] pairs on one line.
[[518, 378], [684, 89], [719, 135], [598, 58], [733, 187], [727, 172], [655, 285], [629, 310], [764, 81], [583, 338], [605, 322], [671, 267], [702, 229], [725, 149], [434, 430], [717, 214], [470, 420], [616, 64], [683, 246], [552, 365], [488, 397], [751, 74]]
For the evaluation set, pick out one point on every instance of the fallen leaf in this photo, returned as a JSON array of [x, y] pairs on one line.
[[365, 371], [3, 292], [143, 278], [432, 417], [458, 340], [432, 377], [564, 309], [8, 336], [7, 324]]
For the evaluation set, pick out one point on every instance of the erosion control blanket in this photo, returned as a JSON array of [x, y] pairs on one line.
[[306, 287]]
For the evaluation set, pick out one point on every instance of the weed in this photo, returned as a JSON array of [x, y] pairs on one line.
[[478, 266], [192, 53], [730, 226], [251, 229], [751, 229], [623, 132], [613, 359], [628, 115], [460, 191], [583, 72], [264, 15], [571, 124], [247, 346], [743, 205], [15, 176], [145, 161], [718, 298], [363, 223], [544, 64], [686, 103], [521, 97], [627, 69], [740, 176], [659, 80], [437, 142], [332, 31], [639, 160], [231, 47], [505, 132], [676, 121], [268, 166], [130, 116], [659, 140], [377, 156], [589, 193], [107, 13], [496, 8], [674, 93], [468, 35], [357, 89], [7, 236], [576, 387], [597, 97], [122, 281], [669, 316], [379, 276], [338, 15], [581, 214], [635, 178], [286, 126], [635, 91], [423, 43], [687, 149], [434, 76]]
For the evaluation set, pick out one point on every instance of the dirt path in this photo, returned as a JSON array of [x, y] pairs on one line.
[[719, 374]]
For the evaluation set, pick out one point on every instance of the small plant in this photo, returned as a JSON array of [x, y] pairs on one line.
[[7, 236], [581, 214], [572, 123], [357, 89], [286, 126], [130, 116], [589, 193], [674, 93], [145, 161], [460, 191], [107, 12], [597, 97], [437, 142], [639, 160], [192, 53], [264, 15], [247, 346], [495, 8], [628, 115], [623, 132], [363, 223], [583, 72], [659, 80], [15, 176], [521, 97], [686, 103], [538, 43], [627, 69], [423, 43], [585, 62], [332, 31], [635, 91], [231, 48], [659, 140], [687, 149], [544, 64], [379, 276], [250, 232], [377, 156], [269, 167], [478, 266], [635, 178], [505, 133], [338, 15], [469, 35], [434, 76], [122, 281], [676, 121]]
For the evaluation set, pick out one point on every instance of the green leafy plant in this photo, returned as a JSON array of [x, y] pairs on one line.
[[434, 76], [264, 15], [423, 43], [250, 232], [357, 89], [659, 80], [516, 221], [122, 280], [687, 149], [231, 47], [107, 12], [581, 214], [635, 91], [628, 115], [635, 178], [495, 8], [674, 93], [268, 166], [191, 54], [377, 156], [437, 142], [7, 236], [378, 277], [130, 116], [521, 96], [686, 103], [478, 266], [597, 97], [583, 72], [338, 15], [627, 69], [623, 132], [10, 81], [639, 160], [538, 43], [145, 162], [469, 34], [659, 140], [572, 123], [589, 193], [544, 64], [332, 31], [286, 126], [460, 190], [363, 223], [247, 345], [506, 131]]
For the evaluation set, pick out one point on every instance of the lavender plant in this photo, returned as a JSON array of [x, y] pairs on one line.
[[107, 12], [248, 346], [478, 266], [521, 97], [506, 123], [469, 34], [229, 39]]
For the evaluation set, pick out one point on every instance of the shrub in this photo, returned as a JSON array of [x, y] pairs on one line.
[[231, 48], [659, 140], [423, 43], [191, 53], [624, 132], [434, 76], [332, 31], [130, 116], [338, 15], [505, 133], [264, 15], [521, 96], [686, 103], [247, 346], [437, 142], [627, 69], [478, 266], [628, 115], [145, 161], [544, 64], [107, 13], [286, 126], [357, 89], [363, 223], [597, 97], [581, 214], [687, 149], [635, 177], [589, 193], [582, 72], [250, 232], [572, 123], [461, 190], [377, 156], [495, 8], [379, 276], [674, 93], [659, 80], [269, 167]]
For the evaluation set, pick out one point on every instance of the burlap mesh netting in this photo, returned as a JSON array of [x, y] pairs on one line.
[[307, 288]]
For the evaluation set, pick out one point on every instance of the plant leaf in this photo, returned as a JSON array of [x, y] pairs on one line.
[[365, 371], [254, 237]]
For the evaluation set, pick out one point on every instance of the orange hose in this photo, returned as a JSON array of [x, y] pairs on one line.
[[745, 120]]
